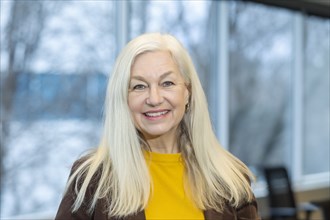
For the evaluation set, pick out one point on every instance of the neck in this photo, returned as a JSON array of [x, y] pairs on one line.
[[166, 144]]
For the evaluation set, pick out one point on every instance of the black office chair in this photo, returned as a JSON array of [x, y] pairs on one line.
[[281, 197], [325, 208]]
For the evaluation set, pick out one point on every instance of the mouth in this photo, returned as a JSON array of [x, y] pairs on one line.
[[156, 114]]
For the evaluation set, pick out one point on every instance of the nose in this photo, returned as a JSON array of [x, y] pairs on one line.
[[155, 97]]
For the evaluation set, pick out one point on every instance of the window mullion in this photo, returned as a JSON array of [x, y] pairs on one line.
[[121, 24], [298, 72], [222, 108]]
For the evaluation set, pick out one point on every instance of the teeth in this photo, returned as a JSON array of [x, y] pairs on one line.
[[155, 114]]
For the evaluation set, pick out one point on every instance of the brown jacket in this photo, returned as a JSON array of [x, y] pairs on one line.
[[248, 211]]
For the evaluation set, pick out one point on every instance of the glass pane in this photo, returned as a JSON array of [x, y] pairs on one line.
[[54, 61], [316, 123], [260, 83]]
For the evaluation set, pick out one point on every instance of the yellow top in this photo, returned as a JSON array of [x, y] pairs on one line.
[[168, 199]]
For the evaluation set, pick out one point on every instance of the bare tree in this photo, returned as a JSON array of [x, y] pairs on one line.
[[27, 32], [258, 104], [23, 33]]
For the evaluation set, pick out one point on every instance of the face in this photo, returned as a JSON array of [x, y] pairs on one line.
[[157, 94]]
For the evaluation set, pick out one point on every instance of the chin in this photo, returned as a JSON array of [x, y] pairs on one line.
[[153, 133]]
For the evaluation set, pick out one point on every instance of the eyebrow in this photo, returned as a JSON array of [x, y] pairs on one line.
[[164, 75]]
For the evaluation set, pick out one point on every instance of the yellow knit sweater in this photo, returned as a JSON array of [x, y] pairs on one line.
[[168, 199]]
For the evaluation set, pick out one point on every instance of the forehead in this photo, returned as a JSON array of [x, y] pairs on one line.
[[154, 62]]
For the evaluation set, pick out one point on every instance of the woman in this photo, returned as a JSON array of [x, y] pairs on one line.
[[158, 157]]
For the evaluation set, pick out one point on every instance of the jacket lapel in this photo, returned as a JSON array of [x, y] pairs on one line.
[[138, 216], [227, 214]]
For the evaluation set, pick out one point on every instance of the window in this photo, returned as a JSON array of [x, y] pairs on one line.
[[316, 97], [56, 56], [63, 53], [259, 83]]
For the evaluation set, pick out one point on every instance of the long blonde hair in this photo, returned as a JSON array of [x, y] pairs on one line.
[[213, 174]]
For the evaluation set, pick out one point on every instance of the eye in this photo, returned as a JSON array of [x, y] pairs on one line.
[[139, 87], [167, 84]]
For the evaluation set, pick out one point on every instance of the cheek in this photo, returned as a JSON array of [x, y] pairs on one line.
[[180, 104], [133, 104], [134, 110], [181, 99]]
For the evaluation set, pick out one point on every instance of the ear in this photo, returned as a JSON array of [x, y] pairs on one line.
[[187, 105], [187, 99], [188, 96]]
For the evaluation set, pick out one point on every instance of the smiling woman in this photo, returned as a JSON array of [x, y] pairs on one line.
[[158, 157], [157, 99]]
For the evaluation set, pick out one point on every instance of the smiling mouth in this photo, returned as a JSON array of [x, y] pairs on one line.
[[155, 114]]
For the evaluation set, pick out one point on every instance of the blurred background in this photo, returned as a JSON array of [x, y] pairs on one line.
[[264, 68]]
